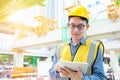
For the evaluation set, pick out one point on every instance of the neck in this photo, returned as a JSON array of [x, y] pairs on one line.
[[75, 41]]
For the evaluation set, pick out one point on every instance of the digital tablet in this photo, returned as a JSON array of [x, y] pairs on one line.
[[74, 65]]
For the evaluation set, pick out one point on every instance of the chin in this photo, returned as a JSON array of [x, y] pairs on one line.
[[76, 38]]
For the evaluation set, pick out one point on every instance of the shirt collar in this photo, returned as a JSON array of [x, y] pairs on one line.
[[82, 41]]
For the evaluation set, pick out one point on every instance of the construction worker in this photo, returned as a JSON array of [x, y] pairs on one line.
[[78, 49]]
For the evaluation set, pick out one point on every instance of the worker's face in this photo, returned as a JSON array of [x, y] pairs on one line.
[[77, 28]]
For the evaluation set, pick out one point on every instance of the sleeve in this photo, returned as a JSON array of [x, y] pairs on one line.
[[54, 74], [98, 69]]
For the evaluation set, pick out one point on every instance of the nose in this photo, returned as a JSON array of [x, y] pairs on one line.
[[76, 29]]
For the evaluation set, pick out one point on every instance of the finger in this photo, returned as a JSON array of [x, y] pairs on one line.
[[69, 71], [56, 67], [64, 71], [79, 72]]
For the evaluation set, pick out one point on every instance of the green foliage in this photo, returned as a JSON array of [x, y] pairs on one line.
[[117, 2], [33, 60], [65, 34], [5, 57], [119, 58]]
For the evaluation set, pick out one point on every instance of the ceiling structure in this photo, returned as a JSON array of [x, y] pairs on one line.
[[9, 7], [8, 27], [14, 16]]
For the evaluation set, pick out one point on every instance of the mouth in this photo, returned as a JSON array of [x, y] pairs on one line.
[[76, 34]]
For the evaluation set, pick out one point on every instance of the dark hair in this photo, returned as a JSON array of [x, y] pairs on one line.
[[84, 19]]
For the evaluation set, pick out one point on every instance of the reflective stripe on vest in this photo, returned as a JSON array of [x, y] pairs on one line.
[[91, 56]]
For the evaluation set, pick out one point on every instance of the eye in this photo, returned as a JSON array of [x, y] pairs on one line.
[[73, 25], [81, 25]]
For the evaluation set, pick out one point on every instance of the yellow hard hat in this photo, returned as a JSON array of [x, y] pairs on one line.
[[79, 10]]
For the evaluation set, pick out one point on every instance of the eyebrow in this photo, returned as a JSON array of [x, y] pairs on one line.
[[78, 24]]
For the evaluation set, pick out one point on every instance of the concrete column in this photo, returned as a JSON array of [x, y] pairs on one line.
[[18, 60], [114, 60]]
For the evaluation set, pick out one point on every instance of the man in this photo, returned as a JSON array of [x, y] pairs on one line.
[[78, 49]]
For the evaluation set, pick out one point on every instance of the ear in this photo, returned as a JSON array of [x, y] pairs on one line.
[[68, 24], [87, 26]]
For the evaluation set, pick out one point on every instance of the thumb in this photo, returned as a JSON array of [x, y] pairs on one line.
[[79, 70]]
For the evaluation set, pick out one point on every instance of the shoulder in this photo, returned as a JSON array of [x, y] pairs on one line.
[[99, 45]]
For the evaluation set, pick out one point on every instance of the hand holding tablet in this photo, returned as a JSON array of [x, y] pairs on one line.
[[74, 65]]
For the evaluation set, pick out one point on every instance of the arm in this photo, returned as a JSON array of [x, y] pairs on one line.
[[52, 72], [98, 69]]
